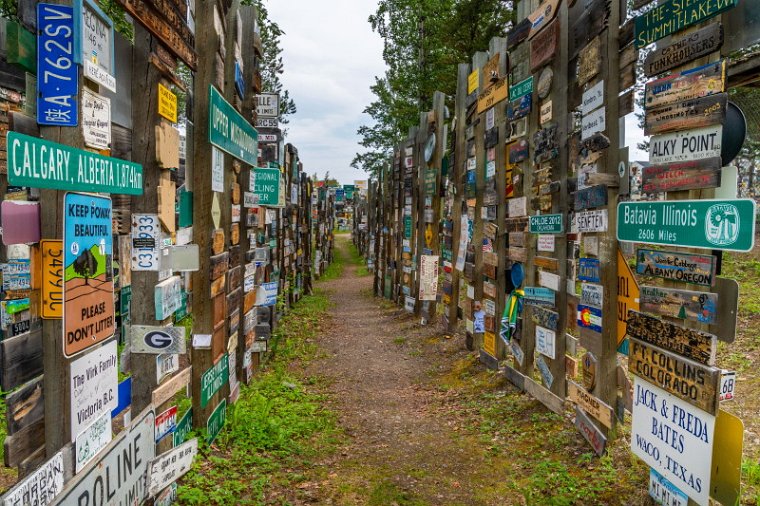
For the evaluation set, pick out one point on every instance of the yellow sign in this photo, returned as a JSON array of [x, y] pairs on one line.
[[52, 279], [472, 81], [489, 343], [167, 103], [627, 298], [493, 95], [728, 443]]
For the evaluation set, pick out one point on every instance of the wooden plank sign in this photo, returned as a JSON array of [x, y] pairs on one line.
[[544, 317], [676, 266], [691, 381], [493, 95], [590, 432], [685, 304], [592, 405], [693, 344], [544, 46], [684, 49], [672, 16], [20, 359], [589, 61], [52, 278], [594, 196], [542, 16], [686, 114], [25, 406], [677, 176], [690, 84]]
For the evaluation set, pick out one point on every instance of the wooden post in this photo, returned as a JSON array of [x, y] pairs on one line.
[[476, 244]]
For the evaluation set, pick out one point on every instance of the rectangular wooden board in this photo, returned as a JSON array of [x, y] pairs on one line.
[[684, 49], [549, 263], [678, 176], [690, 84], [590, 432], [21, 359], [544, 317], [592, 405], [23, 443], [25, 406], [686, 114], [677, 266], [593, 196], [693, 344], [544, 46], [700, 307]]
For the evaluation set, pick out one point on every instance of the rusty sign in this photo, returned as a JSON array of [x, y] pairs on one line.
[[686, 114], [690, 84], [693, 344], [684, 49], [544, 46], [691, 175]]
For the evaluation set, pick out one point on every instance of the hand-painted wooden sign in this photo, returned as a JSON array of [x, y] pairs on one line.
[[589, 269], [590, 432], [591, 221], [539, 295], [672, 16], [685, 304], [546, 373], [589, 61], [677, 176], [541, 17], [549, 263], [544, 46], [686, 114], [491, 71], [493, 95], [712, 224], [544, 317], [673, 265], [518, 34], [684, 49], [546, 224], [590, 317], [696, 144], [693, 344], [88, 285], [593, 196], [592, 405], [691, 381], [690, 84]]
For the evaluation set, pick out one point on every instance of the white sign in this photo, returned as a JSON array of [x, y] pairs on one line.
[[593, 98], [96, 120], [157, 340], [165, 365], [686, 145], [217, 170], [268, 105], [249, 200], [146, 231], [674, 438], [545, 339], [267, 294], [167, 497], [97, 44], [593, 123], [591, 221], [235, 213], [168, 297], [40, 487], [93, 439], [267, 138], [546, 242], [546, 112], [409, 303], [518, 207], [100, 76], [267, 123], [664, 492], [94, 386], [127, 458], [490, 117], [592, 295], [549, 280], [170, 466], [727, 384], [428, 277]]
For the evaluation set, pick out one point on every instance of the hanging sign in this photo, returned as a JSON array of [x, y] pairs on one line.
[[167, 103], [676, 266], [672, 16], [94, 385], [88, 285], [230, 131], [696, 144], [52, 279], [96, 120], [693, 344], [691, 175], [93, 43], [700, 307], [684, 49], [38, 163], [687, 464], [546, 224], [58, 82], [711, 224], [690, 84]]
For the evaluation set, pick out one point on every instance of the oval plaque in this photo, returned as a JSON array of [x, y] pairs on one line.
[[545, 82]]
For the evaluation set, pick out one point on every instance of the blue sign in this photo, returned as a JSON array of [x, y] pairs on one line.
[[589, 269], [57, 75], [268, 294], [590, 317], [239, 81], [539, 295], [124, 397]]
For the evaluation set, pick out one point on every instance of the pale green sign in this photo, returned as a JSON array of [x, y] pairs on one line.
[[39, 163], [521, 89], [229, 131], [710, 224], [266, 187], [546, 224]]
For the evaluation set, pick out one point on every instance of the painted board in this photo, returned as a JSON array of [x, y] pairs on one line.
[[691, 84], [689, 305], [170, 466], [690, 343], [157, 340], [590, 432], [686, 114], [684, 49], [678, 176], [590, 404], [682, 146]]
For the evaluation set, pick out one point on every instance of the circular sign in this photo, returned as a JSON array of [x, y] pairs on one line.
[[734, 133], [430, 147], [545, 83], [517, 274], [158, 339], [589, 371]]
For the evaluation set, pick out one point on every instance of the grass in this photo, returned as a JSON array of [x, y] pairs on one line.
[[751, 479]]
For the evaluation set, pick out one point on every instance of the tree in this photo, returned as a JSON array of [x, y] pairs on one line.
[[424, 41], [86, 265]]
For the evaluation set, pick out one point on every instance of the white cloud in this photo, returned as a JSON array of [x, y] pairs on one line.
[[331, 58]]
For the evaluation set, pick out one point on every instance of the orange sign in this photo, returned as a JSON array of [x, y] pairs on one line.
[[627, 298], [52, 279]]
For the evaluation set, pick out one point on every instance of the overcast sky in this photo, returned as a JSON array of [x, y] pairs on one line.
[[331, 58]]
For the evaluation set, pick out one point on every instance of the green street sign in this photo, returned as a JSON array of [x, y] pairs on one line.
[[521, 89], [672, 16], [216, 421], [266, 187], [546, 224], [184, 426], [229, 131], [213, 379], [38, 163], [711, 224]]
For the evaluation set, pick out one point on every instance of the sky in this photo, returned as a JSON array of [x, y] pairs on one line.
[[331, 57]]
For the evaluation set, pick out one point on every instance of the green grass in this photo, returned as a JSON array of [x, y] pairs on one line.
[[386, 493], [751, 481], [745, 270]]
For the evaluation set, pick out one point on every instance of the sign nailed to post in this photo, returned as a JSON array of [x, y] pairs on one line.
[[268, 105], [94, 387], [265, 185], [52, 279], [167, 103], [672, 16], [88, 310], [157, 340], [229, 131], [58, 85]]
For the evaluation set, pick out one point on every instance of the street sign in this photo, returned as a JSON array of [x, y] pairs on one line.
[[213, 379], [593, 406], [265, 186], [546, 224], [268, 105], [230, 131], [710, 224], [157, 340], [216, 421], [58, 82], [38, 163], [672, 16]]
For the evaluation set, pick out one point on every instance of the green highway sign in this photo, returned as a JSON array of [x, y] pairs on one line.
[[184, 426], [265, 184], [214, 378], [229, 131], [711, 224], [38, 163], [216, 421], [546, 224], [521, 89]]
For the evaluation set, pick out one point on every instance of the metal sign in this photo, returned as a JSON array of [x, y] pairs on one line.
[[167, 103], [46, 481], [213, 379], [696, 144], [627, 299], [96, 120], [230, 131], [146, 232], [546, 341], [592, 294], [589, 269], [93, 439], [167, 297], [711, 224], [157, 340], [693, 344], [166, 364], [58, 82], [685, 49], [265, 186], [94, 43], [590, 317], [594, 122], [591, 221], [664, 492], [184, 426], [88, 284], [539, 295], [166, 423], [126, 457], [170, 466], [521, 89], [38, 163], [51, 303], [546, 224], [686, 464], [267, 123], [94, 385], [268, 105], [216, 421], [593, 98], [672, 16]]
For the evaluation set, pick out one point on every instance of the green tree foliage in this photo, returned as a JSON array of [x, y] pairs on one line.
[[424, 41]]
